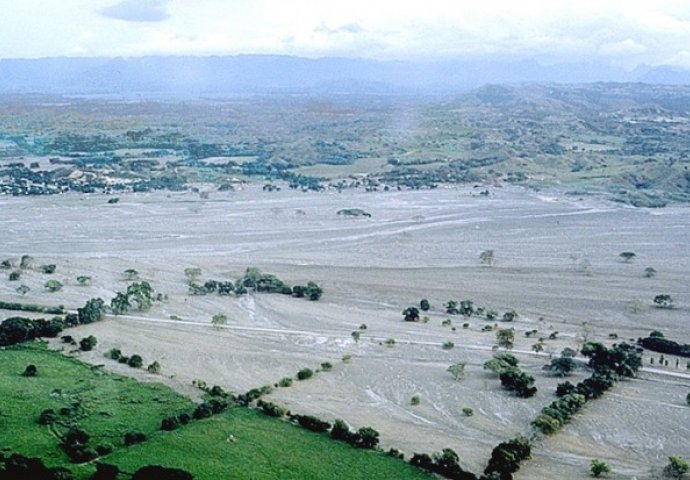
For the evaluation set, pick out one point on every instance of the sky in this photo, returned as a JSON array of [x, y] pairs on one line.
[[620, 33]]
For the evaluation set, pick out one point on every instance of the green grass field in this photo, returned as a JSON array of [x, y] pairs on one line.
[[107, 406]]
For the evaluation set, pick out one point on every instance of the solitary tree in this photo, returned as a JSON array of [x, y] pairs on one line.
[[457, 370], [219, 320], [663, 300], [53, 285], [505, 337], [487, 257], [627, 257], [411, 314], [424, 305], [192, 273], [649, 272]]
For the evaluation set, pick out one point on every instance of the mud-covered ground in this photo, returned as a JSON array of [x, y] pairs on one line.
[[556, 264]]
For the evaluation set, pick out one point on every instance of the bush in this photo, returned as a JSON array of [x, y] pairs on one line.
[[113, 354], [30, 371], [135, 361], [154, 368], [366, 438], [170, 423], [599, 468], [326, 366], [676, 468], [312, 423], [156, 472], [415, 400], [87, 344], [272, 410], [132, 438], [305, 373], [47, 417], [468, 412], [285, 382], [341, 431]]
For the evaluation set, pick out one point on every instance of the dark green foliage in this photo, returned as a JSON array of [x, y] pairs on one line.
[[366, 437], [135, 361], [75, 444], [169, 424], [114, 354], [28, 307], [341, 431], [305, 373], [14, 276], [49, 269], [621, 359], [312, 423], [564, 389], [19, 467], [92, 311], [253, 394], [507, 456], [424, 305], [86, 344], [18, 329], [558, 413], [663, 300], [659, 344], [105, 472], [561, 366], [445, 463], [519, 382], [212, 407], [132, 438], [47, 417], [411, 314], [30, 371], [272, 410], [313, 291], [156, 472]]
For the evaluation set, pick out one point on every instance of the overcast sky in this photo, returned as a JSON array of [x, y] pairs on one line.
[[619, 32]]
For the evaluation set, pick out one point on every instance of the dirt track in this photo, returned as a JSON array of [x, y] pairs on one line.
[[415, 245]]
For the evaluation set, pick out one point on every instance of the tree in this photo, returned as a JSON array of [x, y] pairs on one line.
[[452, 307], [663, 300], [599, 468], [192, 273], [457, 370], [92, 311], [367, 438], [84, 280], [14, 276], [219, 320], [25, 261], [687, 399], [53, 285], [131, 274], [411, 314], [627, 257], [649, 272], [86, 344], [30, 371], [505, 337], [501, 362], [135, 361], [487, 257], [676, 468], [154, 368], [23, 289], [519, 382], [341, 431], [424, 305], [156, 472], [120, 304], [305, 373], [313, 291], [562, 366]]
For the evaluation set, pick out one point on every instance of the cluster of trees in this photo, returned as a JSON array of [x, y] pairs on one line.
[[658, 343], [445, 463], [253, 279], [134, 361], [621, 359], [19, 467], [558, 413], [506, 458], [365, 438], [19, 329], [28, 307], [512, 378], [138, 295], [468, 309]]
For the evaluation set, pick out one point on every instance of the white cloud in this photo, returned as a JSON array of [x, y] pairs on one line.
[[138, 10], [633, 32]]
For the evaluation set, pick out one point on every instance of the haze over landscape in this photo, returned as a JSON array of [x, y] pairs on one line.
[[344, 240]]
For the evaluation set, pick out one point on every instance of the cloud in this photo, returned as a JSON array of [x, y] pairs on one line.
[[347, 28], [138, 10]]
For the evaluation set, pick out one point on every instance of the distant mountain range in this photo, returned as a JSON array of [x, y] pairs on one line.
[[193, 77]]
